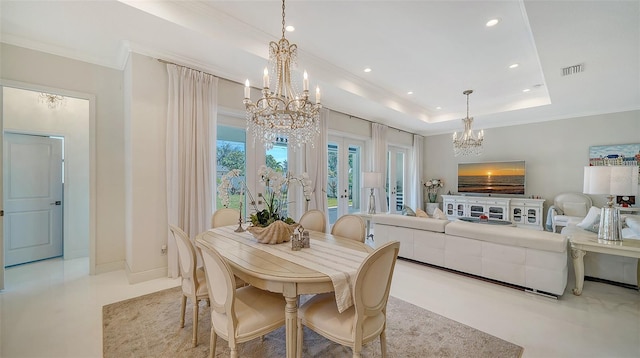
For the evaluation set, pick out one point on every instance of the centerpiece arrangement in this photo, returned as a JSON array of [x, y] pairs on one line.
[[270, 225]]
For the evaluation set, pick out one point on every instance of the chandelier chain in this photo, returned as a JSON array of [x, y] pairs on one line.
[[283, 23]]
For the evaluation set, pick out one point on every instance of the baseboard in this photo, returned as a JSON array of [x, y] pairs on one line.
[[137, 277], [108, 267]]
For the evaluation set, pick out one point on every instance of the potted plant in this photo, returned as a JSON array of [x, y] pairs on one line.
[[431, 189]]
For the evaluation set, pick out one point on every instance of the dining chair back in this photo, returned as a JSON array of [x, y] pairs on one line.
[[194, 283], [313, 220], [349, 226], [238, 315], [224, 217], [366, 319]]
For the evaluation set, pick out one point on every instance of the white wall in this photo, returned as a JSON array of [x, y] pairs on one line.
[[555, 151], [23, 113], [38, 68]]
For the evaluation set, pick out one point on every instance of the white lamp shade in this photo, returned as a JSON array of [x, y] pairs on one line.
[[611, 180], [371, 180]]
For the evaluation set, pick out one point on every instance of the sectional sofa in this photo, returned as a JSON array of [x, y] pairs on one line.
[[534, 260]]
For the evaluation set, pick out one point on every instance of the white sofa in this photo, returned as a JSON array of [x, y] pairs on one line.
[[536, 260], [613, 268]]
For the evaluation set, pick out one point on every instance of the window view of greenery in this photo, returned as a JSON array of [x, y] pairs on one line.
[[332, 182], [231, 154]]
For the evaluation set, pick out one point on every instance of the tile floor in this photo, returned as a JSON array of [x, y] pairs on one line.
[[53, 309]]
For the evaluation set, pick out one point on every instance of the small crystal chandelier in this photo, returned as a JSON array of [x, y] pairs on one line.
[[467, 143], [283, 112], [53, 101]]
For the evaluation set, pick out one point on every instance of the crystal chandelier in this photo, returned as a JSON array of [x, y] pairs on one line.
[[283, 112], [467, 143], [53, 101]]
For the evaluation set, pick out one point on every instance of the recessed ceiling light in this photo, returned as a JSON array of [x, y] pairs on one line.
[[367, 70], [526, 90], [492, 22], [438, 107], [514, 65], [290, 28], [410, 92]]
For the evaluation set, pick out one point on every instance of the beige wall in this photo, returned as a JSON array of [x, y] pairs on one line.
[[555, 152], [33, 67], [130, 153]]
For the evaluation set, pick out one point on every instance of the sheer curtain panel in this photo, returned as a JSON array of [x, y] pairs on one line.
[[379, 163], [316, 166], [415, 171], [191, 114]]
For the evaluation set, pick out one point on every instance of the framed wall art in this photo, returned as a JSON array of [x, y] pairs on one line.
[[617, 154]]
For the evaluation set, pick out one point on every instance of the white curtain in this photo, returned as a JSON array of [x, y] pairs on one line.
[[191, 114], [316, 165], [415, 171], [379, 163]]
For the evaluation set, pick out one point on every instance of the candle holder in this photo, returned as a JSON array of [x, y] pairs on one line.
[[240, 228]]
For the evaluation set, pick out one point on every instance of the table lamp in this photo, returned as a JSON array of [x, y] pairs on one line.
[[610, 181], [371, 180]]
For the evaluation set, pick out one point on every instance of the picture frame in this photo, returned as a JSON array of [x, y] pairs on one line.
[[616, 154], [628, 200]]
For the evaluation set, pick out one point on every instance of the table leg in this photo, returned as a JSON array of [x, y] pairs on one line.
[[578, 266], [291, 323]]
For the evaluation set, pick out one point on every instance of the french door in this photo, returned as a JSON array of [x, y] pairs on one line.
[[344, 184], [396, 178]]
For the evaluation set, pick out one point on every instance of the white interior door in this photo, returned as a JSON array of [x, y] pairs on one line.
[[32, 198]]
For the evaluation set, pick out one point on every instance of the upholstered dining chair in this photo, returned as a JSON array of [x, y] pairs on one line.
[[313, 220], [349, 226], [224, 217], [238, 315], [366, 319], [194, 283], [569, 208]]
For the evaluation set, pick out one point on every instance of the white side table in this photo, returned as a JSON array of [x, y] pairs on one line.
[[580, 245], [368, 218]]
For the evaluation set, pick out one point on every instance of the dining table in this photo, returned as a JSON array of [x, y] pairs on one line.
[[328, 265]]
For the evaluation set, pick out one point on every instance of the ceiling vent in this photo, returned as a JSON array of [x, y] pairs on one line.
[[572, 70]]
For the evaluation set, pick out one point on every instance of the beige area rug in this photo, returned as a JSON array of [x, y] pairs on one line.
[[148, 326]]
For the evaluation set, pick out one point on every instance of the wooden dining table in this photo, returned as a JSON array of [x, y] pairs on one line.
[[277, 268]]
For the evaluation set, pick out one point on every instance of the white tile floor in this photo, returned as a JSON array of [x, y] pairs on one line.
[[53, 309]]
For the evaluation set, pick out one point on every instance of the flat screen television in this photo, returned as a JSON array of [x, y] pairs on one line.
[[500, 178]]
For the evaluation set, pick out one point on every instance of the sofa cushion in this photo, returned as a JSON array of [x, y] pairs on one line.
[[540, 240], [413, 222]]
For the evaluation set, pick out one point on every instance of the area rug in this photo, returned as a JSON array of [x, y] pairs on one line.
[[148, 326]]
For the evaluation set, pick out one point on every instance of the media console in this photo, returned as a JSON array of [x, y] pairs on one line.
[[523, 212]]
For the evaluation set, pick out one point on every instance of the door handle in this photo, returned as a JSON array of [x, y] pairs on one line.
[[57, 202]]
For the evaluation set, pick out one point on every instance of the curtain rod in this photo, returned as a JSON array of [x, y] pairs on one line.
[[242, 84]]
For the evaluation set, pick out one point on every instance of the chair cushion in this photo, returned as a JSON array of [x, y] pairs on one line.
[[321, 314], [255, 310], [574, 209]]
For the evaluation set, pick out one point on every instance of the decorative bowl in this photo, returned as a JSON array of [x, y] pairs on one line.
[[276, 233]]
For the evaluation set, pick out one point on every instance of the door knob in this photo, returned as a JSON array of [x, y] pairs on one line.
[[58, 202]]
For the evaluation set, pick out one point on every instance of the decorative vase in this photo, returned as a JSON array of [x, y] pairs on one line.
[[276, 233], [431, 207]]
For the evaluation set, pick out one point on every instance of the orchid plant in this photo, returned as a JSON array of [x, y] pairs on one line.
[[275, 194], [432, 186]]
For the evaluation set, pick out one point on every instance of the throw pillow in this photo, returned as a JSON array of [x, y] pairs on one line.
[[421, 213], [439, 214], [593, 216], [595, 226], [633, 223], [408, 211], [575, 209]]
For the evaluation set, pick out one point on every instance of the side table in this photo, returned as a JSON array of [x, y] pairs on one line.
[[580, 245], [367, 219]]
